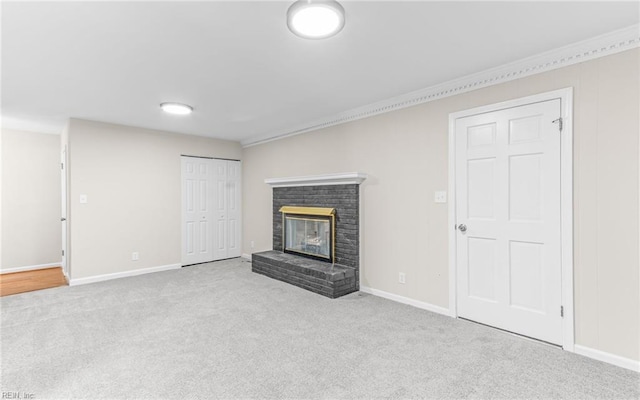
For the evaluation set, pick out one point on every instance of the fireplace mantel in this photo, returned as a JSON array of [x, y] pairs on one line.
[[347, 178]]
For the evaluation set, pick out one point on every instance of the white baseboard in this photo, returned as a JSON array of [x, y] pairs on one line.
[[117, 275], [247, 256], [599, 355], [30, 267], [406, 300]]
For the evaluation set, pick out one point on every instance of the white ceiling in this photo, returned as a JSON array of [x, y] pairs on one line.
[[241, 69]]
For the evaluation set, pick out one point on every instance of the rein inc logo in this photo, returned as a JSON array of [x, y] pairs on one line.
[[18, 395]]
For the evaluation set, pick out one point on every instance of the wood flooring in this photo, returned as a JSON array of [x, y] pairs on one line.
[[27, 281]]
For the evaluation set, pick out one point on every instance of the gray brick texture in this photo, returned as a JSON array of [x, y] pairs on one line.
[[344, 198], [331, 280]]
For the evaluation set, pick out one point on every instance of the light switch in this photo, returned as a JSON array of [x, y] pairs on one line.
[[83, 199], [440, 197]]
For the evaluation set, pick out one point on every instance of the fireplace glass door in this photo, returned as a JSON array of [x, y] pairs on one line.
[[308, 235]]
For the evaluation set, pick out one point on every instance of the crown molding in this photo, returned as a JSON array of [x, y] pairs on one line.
[[347, 178], [599, 46]]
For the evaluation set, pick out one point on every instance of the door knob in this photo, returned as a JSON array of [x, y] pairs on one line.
[[63, 219], [462, 227]]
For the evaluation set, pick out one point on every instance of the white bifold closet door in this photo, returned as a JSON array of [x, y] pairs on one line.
[[210, 209], [226, 209]]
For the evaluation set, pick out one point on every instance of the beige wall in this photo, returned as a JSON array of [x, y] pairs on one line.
[[30, 199], [132, 179], [405, 154]]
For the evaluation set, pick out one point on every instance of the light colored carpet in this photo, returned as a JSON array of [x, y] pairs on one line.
[[219, 331]]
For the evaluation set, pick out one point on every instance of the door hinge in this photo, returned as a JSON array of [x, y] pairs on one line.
[[560, 123], [63, 252], [562, 311], [61, 165]]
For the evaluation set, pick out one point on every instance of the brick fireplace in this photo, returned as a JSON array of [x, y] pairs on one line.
[[337, 196]]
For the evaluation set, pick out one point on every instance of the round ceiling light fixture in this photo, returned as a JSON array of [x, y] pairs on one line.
[[176, 108], [315, 19]]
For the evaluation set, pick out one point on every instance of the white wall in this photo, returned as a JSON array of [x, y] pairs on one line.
[[405, 154], [131, 177], [30, 199]]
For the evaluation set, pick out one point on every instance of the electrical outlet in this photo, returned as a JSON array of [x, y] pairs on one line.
[[440, 197], [135, 256], [253, 244], [402, 278]]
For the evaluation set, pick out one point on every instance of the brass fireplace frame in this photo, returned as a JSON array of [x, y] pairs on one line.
[[300, 213]]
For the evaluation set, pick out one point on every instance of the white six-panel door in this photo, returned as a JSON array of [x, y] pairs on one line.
[[197, 213], [63, 214], [211, 209], [508, 239], [221, 202], [234, 215]]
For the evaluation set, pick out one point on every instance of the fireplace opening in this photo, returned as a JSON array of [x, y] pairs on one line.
[[309, 231]]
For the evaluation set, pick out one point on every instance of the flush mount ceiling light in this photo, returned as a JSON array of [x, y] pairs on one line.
[[176, 108], [315, 19]]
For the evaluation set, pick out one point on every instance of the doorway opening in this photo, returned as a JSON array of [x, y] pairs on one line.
[[510, 216], [211, 215]]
